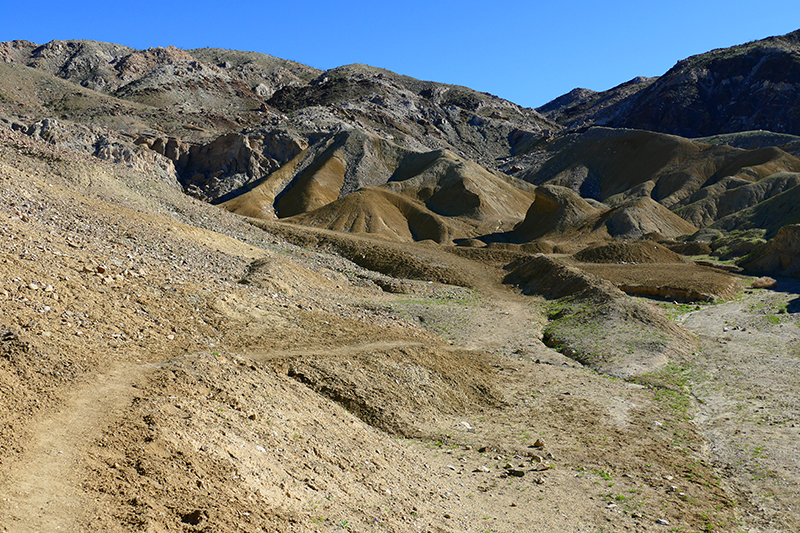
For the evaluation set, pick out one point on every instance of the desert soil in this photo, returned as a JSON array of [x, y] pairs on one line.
[[166, 366], [745, 378]]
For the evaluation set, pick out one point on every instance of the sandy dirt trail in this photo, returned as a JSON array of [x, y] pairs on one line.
[[40, 491]]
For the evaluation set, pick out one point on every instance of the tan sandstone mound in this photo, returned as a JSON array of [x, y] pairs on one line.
[[380, 212], [637, 217], [559, 213], [556, 210]]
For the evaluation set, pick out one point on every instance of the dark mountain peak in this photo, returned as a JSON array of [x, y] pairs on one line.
[[752, 86], [581, 108], [747, 87]]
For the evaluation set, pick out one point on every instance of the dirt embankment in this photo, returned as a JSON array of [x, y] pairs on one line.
[[596, 323]]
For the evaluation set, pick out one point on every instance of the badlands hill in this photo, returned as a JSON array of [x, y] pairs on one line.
[[238, 293]]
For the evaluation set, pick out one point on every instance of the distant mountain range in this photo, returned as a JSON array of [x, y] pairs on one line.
[[706, 145]]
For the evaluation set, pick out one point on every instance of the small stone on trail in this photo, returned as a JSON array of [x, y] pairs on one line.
[[194, 518], [483, 469], [516, 472], [662, 522], [538, 444]]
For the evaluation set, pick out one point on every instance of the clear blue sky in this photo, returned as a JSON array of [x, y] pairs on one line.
[[527, 52]]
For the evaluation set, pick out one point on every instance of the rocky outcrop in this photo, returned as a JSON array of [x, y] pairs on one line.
[[102, 144], [418, 115], [754, 86], [107, 67], [582, 108], [779, 257], [221, 167]]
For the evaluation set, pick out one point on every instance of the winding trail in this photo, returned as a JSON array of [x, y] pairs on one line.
[[41, 490]]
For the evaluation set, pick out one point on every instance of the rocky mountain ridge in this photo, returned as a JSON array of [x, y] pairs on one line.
[[274, 139], [753, 86]]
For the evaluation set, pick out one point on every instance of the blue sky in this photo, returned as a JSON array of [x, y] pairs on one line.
[[527, 52]]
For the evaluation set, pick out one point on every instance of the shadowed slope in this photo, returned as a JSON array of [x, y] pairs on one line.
[[694, 179], [780, 256], [431, 195], [558, 213]]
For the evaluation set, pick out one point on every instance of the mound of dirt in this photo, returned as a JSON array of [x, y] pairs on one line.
[[689, 248], [638, 217], [682, 282], [646, 268], [556, 210], [470, 243], [628, 253], [594, 322], [380, 212], [454, 187], [555, 279], [559, 213]]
